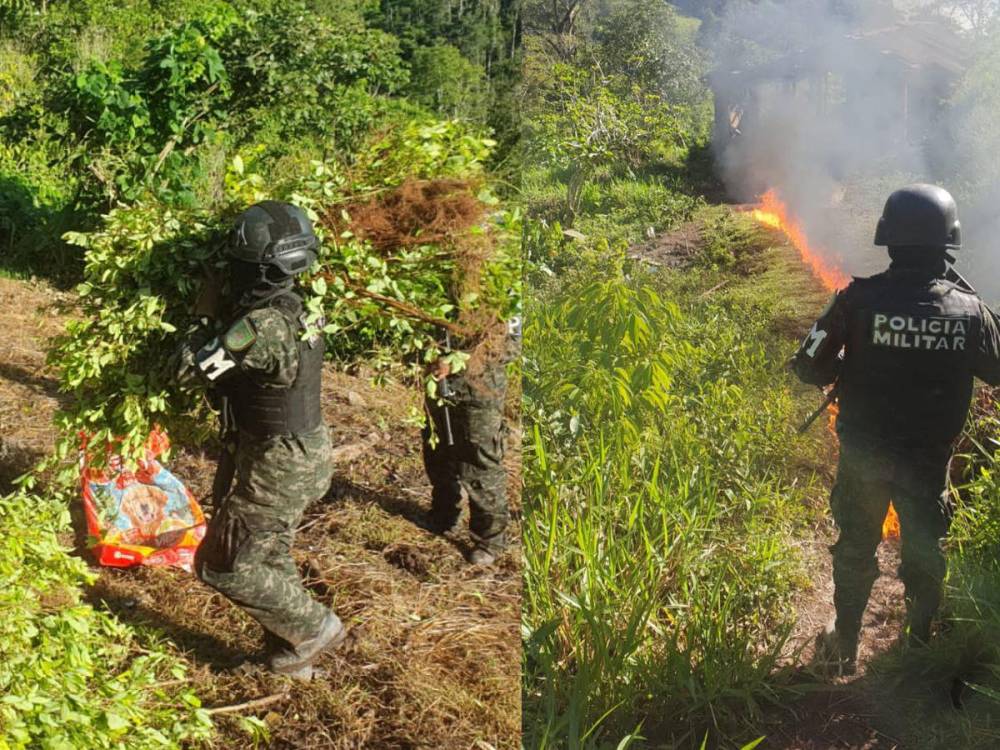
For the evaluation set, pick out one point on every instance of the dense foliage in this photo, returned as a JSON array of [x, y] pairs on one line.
[[608, 121], [656, 558], [131, 133], [70, 675]]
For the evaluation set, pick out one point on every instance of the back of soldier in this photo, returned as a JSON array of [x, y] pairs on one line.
[[901, 350], [910, 345]]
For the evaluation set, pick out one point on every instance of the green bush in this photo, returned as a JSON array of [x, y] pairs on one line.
[[319, 76], [142, 266], [72, 676]]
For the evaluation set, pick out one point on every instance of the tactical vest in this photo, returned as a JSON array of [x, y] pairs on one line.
[[266, 411], [909, 359]]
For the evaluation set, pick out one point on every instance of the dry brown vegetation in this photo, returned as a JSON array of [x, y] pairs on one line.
[[442, 213], [434, 658]]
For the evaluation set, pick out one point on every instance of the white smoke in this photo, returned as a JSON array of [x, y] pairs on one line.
[[837, 109]]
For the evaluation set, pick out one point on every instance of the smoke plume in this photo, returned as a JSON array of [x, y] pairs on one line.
[[835, 108]]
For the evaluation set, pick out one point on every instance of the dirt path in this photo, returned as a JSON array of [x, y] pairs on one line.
[[29, 315], [434, 658], [838, 713]]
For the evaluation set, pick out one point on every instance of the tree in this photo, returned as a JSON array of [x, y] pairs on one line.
[[446, 82], [978, 16]]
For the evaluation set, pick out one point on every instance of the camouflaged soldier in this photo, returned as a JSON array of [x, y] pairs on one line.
[[265, 370], [903, 348], [468, 433]]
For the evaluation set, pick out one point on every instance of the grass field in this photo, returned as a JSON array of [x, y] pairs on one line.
[[676, 532], [663, 482]]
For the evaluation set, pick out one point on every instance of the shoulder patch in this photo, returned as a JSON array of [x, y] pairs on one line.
[[240, 336]]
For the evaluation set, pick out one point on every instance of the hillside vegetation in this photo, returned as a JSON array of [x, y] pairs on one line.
[[131, 133], [670, 504]]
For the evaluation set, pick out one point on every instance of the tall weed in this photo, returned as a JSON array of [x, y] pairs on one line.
[[658, 575]]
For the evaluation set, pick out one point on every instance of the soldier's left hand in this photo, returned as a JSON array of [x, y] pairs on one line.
[[439, 369]]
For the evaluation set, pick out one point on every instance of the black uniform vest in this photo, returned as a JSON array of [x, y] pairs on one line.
[[909, 359], [264, 411]]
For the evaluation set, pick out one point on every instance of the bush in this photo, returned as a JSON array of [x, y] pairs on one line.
[[143, 264], [70, 675]]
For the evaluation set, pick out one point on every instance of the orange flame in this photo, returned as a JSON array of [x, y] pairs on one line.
[[774, 213], [890, 526]]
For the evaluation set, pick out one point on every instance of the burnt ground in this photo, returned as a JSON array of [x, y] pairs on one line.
[[434, 655], [670, 249]]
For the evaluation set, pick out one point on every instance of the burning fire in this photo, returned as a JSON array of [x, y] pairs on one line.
[[773, 213]]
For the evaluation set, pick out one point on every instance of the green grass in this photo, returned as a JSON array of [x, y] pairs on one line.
[[14, 274], [662, 484]]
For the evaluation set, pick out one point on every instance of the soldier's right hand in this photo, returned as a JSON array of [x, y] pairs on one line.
[[439, 369], [181, 364]]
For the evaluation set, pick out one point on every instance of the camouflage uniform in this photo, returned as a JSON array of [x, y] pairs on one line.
[[904, 347], [475, 462], [246, 554]]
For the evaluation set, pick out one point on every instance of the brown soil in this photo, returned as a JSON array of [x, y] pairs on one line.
[[434, 655], [673, 249], [29, 316], [841, 712]]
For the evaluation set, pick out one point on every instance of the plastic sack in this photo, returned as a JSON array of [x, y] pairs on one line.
[[145, 517]]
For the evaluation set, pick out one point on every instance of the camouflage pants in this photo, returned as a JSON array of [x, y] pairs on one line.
[[475, 462], [246, 554], [917, 485]]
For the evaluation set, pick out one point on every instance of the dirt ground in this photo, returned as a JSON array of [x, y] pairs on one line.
[[433, 660], [838, 712], [29, 316]]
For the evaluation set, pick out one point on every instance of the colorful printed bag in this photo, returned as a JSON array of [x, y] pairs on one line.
[[145, 517]]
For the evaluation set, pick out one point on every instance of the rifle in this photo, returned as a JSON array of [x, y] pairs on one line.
[[446, 392], [953, 275], [831, 396], [225, 471]]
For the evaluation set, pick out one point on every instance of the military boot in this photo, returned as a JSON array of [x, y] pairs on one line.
[[436, 523], [297, 661], [836, 653], [486, 551]]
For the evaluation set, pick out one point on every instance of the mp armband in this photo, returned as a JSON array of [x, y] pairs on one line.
[[213, 361], [514, 328]]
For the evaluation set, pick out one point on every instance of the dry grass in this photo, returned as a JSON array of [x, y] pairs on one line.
[[30, 313], [434, 658]]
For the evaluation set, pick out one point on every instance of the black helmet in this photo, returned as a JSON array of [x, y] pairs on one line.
[[920, 215], [274, 234]]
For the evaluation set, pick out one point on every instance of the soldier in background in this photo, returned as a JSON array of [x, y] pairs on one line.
[[903, 348], [264, 368], [463, 448]]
